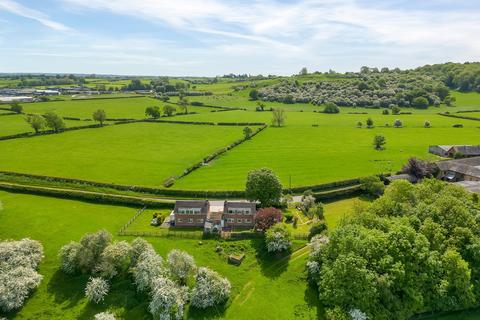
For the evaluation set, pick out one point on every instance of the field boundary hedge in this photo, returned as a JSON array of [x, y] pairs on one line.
[[95, 197], [325, 189], [47, 132], [338, 193], [459, 117], [9, 114]]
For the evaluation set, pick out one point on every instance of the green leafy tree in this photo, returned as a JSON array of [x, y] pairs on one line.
[[278, 238], [16, 107], [100, 116], [264, 186], [153, 112], [54, 121], [420, 103], [395, 110], [253, 94], [168, 110], [278, 117], [369, 123], [247, 132], [450, 101], [183, 103], [36, 121], [331, 107], [379, 141]]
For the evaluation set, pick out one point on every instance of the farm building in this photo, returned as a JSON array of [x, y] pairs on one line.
[[213, 215], [450, 151], [467, 169]]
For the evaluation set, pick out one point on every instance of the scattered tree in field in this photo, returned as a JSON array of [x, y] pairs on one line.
[[266, 218], [36, 121], [168, 110], [211, 289], [397, 123], [153, 112], [395, 110], [100, 116], [303, 71], [105, 316], [369, 123], [426, 124], [149, 267], [331, 107], [183, 103], [115, 259], [96, 289], [450, 101], [372, 186], [168, 300], [385, 112], [420, 103], [264, 186], [16, 107], [278, 238], [247, 132], [260, 106], [253, 94], [359, 124], [379, 141], [181, 265], [18, 276], [54, 121], [278, 117], [419, 169]]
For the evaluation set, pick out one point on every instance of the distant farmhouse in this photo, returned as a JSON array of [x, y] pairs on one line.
[[449, 151], [213, 215], [467, 169]]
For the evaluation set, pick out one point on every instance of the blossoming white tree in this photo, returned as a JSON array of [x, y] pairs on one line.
[[18, 262], [181, 264], [168, 299], [115, 259], [211, 289], [148, 268], [104, 316], [277, 238], [139, 246], [357, 314], [96, 289], [68, 256]]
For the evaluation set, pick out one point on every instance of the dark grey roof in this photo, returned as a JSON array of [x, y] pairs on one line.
[[467, 150], [203, 204], [468, 166], [240, 204]]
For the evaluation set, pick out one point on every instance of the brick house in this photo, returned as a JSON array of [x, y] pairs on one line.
[[214, 215], [191, 213]]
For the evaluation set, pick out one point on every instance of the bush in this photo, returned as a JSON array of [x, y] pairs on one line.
[[316, 211], [96, 289], [288, 217], [181, 265], [398, 123], [317, 228], [372, 186], [458, 125], [211, 289], [277, 238], [267, 217], [426, 124], [331, 108], [115, 259], [385, 112], [420, 103]]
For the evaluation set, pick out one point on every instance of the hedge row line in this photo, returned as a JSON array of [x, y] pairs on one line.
[[216, 154], [459, 117], [244, 124], [102, 198], [327, 186], [42, 133], [466, 111], [338, 193], [104, 98], [8, 114]]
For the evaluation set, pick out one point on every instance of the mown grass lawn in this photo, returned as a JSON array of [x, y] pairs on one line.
[[138, 153], [316, 148], [263, 287]]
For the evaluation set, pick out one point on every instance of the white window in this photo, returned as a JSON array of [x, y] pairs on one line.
[[179, 220], [239, 220], [248, 221], [199, 220], [231, 220], [190, 220]]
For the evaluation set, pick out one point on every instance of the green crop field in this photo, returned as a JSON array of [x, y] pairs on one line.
[[260, 278], [138, 153]]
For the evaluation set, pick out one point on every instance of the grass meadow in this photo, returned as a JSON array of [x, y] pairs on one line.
[[138, 153], [14, 124]]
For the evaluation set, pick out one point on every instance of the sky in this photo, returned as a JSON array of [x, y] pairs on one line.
[[216, 37]]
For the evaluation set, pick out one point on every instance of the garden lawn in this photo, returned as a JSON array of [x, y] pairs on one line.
[[133, 108], [137, 153], [335, 211], [318, 148], [264, 286]]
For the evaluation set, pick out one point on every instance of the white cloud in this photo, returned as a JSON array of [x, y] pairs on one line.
[[21, 10]]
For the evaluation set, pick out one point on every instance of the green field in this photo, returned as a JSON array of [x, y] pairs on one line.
[[14, 124], [139, 153], [54, 222]]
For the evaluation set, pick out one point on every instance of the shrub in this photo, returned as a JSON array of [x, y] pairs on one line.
[[458, 125], [372, 186], [211, 289], [316, 211], [379, 141], [115, 259], [278, 238], [180, 264], [359, 124], [148, 268], [396, 110], [139, 246], [267, 217], [420, 103], [153, 112], [385, 112], [170, 181], [317, 228], [369, 123], [96, 289], [288, 217], [397, 124], [54, 121], [16, 107], [168, 300], [69, 256], [419, 168], [426, 124], [331, 108]]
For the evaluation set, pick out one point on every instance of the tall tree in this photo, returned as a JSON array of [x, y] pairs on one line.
[[54, 121], [36, 121], [100, 116], [278, 117], [264, 186]]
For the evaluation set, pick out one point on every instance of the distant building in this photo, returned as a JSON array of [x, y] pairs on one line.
[[449, 151], [10, 99], [213, 215], [467, 169]]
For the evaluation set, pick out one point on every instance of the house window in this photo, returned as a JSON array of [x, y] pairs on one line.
[[179, 220], [231, 220], [248, 221], [199, 220], [239, 220], [190, 220]]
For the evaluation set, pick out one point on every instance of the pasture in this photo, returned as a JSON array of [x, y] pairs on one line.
[[138, 153], [14, 124]]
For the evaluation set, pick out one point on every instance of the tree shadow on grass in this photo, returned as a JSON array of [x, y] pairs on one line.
[[272, 265], [313, 302], [65, 287], [208, 313]]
